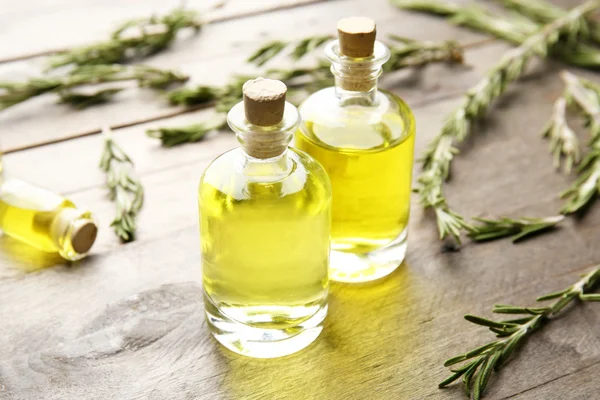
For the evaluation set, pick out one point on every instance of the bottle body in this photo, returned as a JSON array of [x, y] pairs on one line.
[[45, 220], [265, 226], [367, 147]]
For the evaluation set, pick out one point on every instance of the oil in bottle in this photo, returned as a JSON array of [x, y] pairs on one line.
[[364, 138], [45, 220], [265, 218]]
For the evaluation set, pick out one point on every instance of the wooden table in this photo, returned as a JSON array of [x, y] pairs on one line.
[[127, 323]]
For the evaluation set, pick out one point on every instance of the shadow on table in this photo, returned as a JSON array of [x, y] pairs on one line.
[[365, 348], [17, 258]]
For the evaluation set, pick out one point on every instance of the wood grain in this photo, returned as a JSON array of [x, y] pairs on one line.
[[127, 322]]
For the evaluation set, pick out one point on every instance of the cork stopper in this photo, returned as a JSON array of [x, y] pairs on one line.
[[83, 230], [264, 101], [356, 36], [84, 236]]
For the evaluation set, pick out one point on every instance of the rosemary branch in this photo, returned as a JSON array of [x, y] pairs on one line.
[[563, 141], [12, 93], [587, 185], [124, 187], [514, 29], [414, 53], [519, 229], [298, 49], [475, 17], [543, 12], [187, 134], [511, 333], [300, 80], [440, 152], [134, 39], [585, 95]]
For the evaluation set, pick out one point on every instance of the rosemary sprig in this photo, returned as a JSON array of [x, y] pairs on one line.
[[543, 12], [563, 141], [224, 97], [132, 40], [414, 53], [438, 156], [480, 362], [12, 93], [124, 187], [187, 134], [587, 186], [300, 80], [475, 17], [410, 53], [298, 49], [81, 100], [519, 229], [514, 29], [586, 96]]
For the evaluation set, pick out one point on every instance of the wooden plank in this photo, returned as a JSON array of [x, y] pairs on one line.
[[212, 57], [41, 27]]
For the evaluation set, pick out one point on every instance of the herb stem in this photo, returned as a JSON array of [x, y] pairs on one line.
[[12, 93], [512, 333], [441, 151]]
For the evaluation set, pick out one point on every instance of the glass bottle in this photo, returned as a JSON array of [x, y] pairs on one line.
[[45, 220], [265, 219], [364, 137]]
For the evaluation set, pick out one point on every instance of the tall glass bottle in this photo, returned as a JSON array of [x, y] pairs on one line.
[[45, 220], [265, 219], [364, 137]]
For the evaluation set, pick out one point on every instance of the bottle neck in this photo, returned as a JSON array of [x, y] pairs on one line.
[[266, 169], [350, 90], [263, 142], [356, 78]]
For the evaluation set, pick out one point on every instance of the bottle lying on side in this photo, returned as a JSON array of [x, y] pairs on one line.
[[45, 220]]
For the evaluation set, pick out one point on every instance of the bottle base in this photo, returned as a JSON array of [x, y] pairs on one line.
[[365, 267], [262, 342]]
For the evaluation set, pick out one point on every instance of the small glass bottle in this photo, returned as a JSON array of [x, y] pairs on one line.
[[364, 137], [265, 220], [45, 220]]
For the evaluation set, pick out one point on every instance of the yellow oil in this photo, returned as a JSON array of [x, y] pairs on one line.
[[265, 239], [368, 154], [27, 212]]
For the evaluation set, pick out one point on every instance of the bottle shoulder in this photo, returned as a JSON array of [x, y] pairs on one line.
[[228, 174], [21, 194], [323, 102], [386, 122]]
